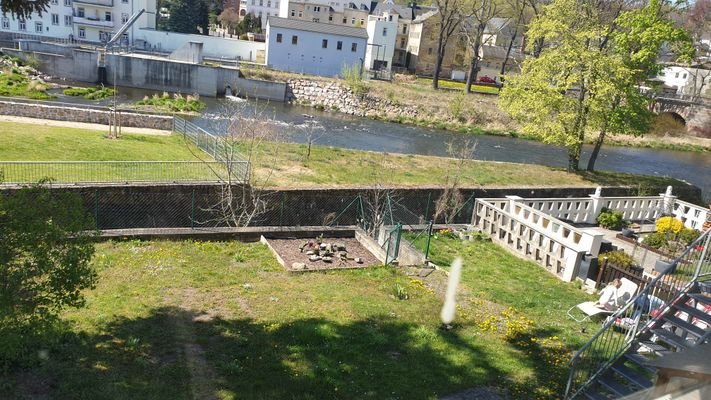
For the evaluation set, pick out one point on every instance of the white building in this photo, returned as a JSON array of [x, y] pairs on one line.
[[312, 47], [688, 80], [261, 8], [90, 20], [381, 42]]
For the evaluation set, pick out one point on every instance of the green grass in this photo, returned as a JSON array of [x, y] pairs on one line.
[[446, 84], [182, 320], [90, 93], [177, 103], [15, 83]]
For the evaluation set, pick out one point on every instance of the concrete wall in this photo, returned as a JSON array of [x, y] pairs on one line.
[[177, 206], [213, 46], [71, 63], [90, 115], [173, 76], [257, 89]]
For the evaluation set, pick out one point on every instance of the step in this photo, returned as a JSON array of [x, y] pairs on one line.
[[618, 389], [700, 297], [641, 361], [656, 349], [593, 394], [694, 312], [631, 375], [671, 339], [687, 326]]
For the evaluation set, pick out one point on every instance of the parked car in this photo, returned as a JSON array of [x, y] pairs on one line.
[[486, 79]]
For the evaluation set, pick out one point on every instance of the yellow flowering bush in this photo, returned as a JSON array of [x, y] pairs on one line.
[[669, 224]]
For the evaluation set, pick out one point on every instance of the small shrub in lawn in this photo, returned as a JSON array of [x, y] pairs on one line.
[[655, 240], [610, 219], [90, 93], [619, 258], [669, 224], [401, 292]]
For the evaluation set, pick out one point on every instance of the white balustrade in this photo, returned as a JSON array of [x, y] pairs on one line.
[[576, 210], [693, 216], [636, 208]]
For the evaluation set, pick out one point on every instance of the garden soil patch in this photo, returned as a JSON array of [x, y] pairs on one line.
[[288, 250]]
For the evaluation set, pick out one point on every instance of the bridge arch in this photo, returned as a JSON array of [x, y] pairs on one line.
[[673, 115]]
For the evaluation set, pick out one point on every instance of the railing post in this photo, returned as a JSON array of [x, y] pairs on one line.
[[703, 255], [429, 238], [668, 201], [597, 201], [192, 211]]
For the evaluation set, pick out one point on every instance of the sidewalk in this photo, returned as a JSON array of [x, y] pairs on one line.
[[80, 125]]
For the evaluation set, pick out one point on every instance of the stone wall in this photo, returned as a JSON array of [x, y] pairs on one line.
[[89, 115], [338, 97]]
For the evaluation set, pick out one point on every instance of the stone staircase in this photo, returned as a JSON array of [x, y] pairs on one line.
[[685, 324]]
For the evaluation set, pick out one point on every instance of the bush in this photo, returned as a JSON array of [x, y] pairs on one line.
[[619, 258], [354, 79], [610, 219], [669, 224], [90, 93], [177, 103], [655, 240], [688, 235]]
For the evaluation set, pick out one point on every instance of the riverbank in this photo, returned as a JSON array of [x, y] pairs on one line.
[[292, 166], [412, 101]]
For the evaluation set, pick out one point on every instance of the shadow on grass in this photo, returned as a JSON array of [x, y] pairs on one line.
[[646, 185], [177, 354]]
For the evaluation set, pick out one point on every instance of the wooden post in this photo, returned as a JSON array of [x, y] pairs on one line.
[[600, 273]]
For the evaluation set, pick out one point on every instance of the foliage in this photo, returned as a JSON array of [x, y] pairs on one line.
[[400, 291], [354, 79], [15, 82], [44, 263], [669, 224], [177, 103], [90, 93], [688, 236], [610, 219], [456, 107], [23, 9], [655, 240], [585, 81], [618, 258], [188, 16]]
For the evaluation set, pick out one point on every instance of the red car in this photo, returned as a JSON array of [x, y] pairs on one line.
[[486, 79]]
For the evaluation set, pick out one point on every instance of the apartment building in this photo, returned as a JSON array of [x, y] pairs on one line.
[[261, 8], [354, 14], [89, 20]]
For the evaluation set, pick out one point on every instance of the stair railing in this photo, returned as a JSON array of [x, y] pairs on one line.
[[608, 344]]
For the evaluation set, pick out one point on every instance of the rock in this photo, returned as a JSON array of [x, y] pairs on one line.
[[297, 266], [359, 260], [310, 253], [327, 259], [314, 258]]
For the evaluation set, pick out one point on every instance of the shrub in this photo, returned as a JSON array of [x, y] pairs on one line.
[[669, 224], [655, 240], [619, 258], [354, 79], [610, 219], [688, 235]]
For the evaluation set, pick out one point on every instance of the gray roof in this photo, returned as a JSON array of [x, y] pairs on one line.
[[330, 29]]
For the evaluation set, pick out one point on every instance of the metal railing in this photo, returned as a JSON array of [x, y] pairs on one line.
[[24, 172], [608, 345]]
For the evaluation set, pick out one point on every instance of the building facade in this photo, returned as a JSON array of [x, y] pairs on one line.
[[381, 43], [261, 8], [88, 20], [312, 47]]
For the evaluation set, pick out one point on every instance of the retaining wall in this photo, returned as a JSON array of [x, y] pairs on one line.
[[186, 206], [88, 115]]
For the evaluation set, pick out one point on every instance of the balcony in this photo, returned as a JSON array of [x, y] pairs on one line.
[[98, 3], [93, 22]]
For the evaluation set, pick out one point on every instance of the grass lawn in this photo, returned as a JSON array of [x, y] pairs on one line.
[[183, 320], [446, 84]]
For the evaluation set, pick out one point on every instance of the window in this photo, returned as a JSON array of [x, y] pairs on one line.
[[55, 19], [124, 18], [324, 44], [268, 14], [684, 75], [293, 13], [390, 17], [124, 1], [107, 16], [339, 45], [315, 19], [5, 23], [22, 25], [354, 47], [385, 31], [276, 4], [352, 21], [67, 20], [269, 3], [38, 27], [677, 75], [82, 33], [261, 3], [429, 51], [278, 38], [330, 17], [80, 12], [404, 29], [252, 2], [301, 13], [362, 22], [294, 39], [260, 15], [68, 3], [402, 43], [55, 2], [317, 9], [344, 20]]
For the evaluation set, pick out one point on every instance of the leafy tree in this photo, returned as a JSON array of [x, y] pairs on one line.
[[585, 81], [473, 28], [186, 16], [450, 15], [45, 251], [229, 18], [23, 9]]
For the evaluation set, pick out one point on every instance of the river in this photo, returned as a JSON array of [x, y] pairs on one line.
[[339, 130]]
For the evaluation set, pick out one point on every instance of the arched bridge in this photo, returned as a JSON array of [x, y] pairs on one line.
[[696, 112]]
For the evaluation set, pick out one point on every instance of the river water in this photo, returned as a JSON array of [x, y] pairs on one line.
[[339, 130]]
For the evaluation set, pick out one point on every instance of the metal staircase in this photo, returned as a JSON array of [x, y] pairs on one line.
[[614, 363]]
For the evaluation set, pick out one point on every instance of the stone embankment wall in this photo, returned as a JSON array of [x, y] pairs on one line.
[[88, 115], [338, 97]]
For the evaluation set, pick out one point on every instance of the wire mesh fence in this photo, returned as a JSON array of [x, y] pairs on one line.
[[22, 172]]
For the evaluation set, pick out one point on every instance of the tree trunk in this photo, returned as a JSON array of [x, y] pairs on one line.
[[537, 47], [474, 64], [596, 150], [438, 62], [573, 159], [511, 42]]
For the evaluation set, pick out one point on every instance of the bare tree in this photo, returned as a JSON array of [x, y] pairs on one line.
[[473, 28], [248, 149], [451, 201], [450, 14], [517, 9], [312, 132]]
